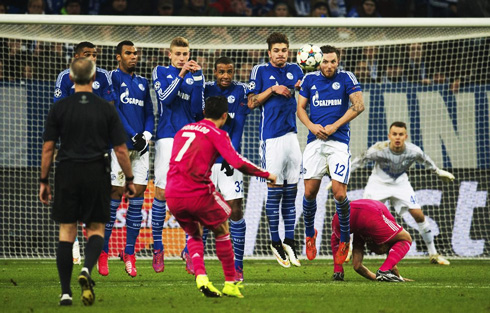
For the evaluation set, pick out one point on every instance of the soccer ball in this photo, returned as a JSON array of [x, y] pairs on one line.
[[309, 57]]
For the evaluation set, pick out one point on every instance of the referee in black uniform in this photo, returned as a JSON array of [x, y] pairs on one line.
[[86, 126]]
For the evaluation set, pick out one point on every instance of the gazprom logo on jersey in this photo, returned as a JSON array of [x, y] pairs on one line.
[[324, 103], [127, 100]]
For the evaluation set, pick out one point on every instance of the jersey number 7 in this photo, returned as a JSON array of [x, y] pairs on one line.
[[190, 138]]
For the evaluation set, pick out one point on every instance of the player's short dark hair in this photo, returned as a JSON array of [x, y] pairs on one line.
[[123, 43], [82, 71], [179, 42], [215, 107], [223, 60], [330, 49], [83, 44], [277, 38], [398, 124]]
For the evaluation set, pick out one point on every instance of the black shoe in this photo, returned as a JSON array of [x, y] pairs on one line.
[[388, 276], [289, 247], [86, 282], [280, 254], [65, 299], [338, 276]]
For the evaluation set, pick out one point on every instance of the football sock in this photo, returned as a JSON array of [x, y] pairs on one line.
[[133, 223], [343, 211], [237, 232], [428, 236], [309, 210], [288, 209], [397, 252], [92, 251], [205, 233], [64, 262], [158, 212], [196, 251], [274, 196], [108, 227], [224, 251]]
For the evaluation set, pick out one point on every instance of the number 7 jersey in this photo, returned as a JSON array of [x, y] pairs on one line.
[[195, 149]]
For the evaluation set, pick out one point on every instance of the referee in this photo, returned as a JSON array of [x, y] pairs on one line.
[[86, 126]]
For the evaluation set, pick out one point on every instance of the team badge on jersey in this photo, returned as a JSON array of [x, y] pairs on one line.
[[57, 92], [189, 81], [142, 88], [96, 85], [289, 76], [231, 98], [157, 85], [336, 85]]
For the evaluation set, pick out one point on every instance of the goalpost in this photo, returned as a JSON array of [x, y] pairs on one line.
[[446, 105]]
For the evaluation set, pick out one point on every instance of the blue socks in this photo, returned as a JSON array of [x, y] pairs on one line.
[[274, 196], [237, 232], [288, 209], [108, 227], [309, 210], [133, 223], [343, 211], [158, 213]]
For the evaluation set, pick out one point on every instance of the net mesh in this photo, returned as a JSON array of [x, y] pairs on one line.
[[434, 78]]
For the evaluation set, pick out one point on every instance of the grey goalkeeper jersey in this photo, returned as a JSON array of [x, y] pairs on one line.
[[391, 167]]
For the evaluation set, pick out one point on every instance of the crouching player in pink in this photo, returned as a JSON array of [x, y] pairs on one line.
[[372, 223], [192, 198]]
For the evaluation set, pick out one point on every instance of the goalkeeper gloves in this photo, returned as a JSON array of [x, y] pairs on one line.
[[227, 168], [445, 176], [140, 143]]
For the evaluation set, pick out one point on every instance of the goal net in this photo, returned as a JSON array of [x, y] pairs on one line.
[[432, 74]]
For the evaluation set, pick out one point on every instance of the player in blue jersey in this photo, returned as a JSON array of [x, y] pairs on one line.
[[272, 87], [102, 86], [328, 91], [179, 88], [228, 180], [135, 108]]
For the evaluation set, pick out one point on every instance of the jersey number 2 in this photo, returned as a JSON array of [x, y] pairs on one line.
[[190, 138]]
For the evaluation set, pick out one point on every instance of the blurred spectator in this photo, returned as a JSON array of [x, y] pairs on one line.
[[337, 8], [35, 7], [198, 8], [320, 9], [238, 8], [281, 9], [473, 8], [370, 55], [165, 8], [302, 7], [366, 9], [416, 69], [115, 7], [442, 8], [3, 8], [260, 7], [361, 71], [393, 72], [72, 7], [223, 6], [410, 8]]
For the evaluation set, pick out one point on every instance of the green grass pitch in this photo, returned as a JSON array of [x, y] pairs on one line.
[[32, 286]]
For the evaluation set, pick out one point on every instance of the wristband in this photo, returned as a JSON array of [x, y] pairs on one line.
[[44, 180], [129, 179]]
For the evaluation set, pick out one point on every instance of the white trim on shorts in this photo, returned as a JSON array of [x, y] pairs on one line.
[[318, 154], [163, 152]]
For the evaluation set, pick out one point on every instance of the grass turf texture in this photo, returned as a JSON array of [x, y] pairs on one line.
[[32, 286]]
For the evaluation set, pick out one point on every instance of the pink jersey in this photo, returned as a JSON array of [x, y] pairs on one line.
[[370, 220], [195, 149]]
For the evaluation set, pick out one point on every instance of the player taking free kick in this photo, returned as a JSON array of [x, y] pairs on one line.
[[191, 195]]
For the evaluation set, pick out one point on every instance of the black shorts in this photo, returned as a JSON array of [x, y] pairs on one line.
[[82, 193]]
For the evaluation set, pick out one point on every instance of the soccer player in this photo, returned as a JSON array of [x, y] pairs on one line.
[[102, 85], [328, 91], [135, 108], [372, 223], [389, 180], [228, 181], [86, 126], [272, 87], [179, 88], [191, 195]]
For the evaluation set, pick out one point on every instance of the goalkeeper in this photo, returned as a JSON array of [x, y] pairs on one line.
[[389, 180], [135, 108]]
